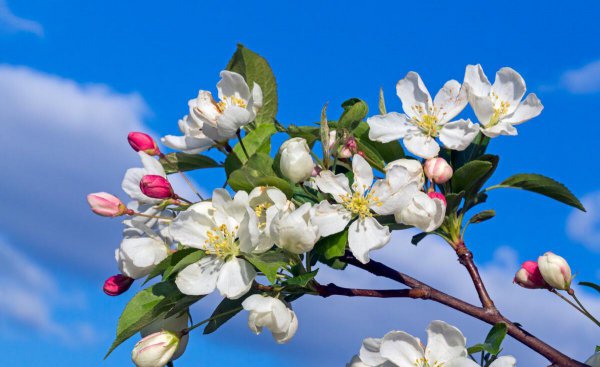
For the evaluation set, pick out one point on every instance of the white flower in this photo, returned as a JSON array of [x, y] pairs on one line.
[[155, 350], [413, 167], [359, 202], [555, 270], [174, 324], [138, 254], [296, 164], [445, 344], [498, 107], [423, 212], [133, 176], [271, 313], [424, 119], [504, 361], [213, 227], [193, 140], [295, 232]]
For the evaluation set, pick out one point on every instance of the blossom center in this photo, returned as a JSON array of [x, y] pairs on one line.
[[221, 242], [423, 362], [428, 123], [500, 109], [359, 204], [231, 101], [261, 213]]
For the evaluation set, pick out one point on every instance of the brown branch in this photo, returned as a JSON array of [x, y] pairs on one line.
[[465, 257], [333, 290], [557, 358]]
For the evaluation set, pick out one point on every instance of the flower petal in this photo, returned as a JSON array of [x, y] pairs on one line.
[[444, 343], [401, 348], [190, 228], [188, 144], [504, 361], [330, 218], [450, 101], [476, 82], [509, 86], [369, 352], [335, 185], [232, 84], [422, 145], [152, 165], [502, 128], [414, 95], [457, 135], [483, 108], [461, 362], [235, 278], [363, 174], [528, 109], [389, 127], [232, 119], [365, 235], [199, 278]]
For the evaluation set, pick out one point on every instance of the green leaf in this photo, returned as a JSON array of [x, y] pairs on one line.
[[255, 69], [483, 216], [542, 185], [188, 257], [269, 263], [355, 111], [309, 133], [453, 201], [419, 237], [225, 311], [182, 305], [493, 341], [168, 262], [303, 279], [181, 162], [258, 171], [145, 307], [256, 141], [332, 246], [468, 175], [591, 285]]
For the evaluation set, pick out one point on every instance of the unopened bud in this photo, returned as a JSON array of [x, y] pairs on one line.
[[529, 276], [117, 284], [437, 195], [106, 205], [155, 350], [349, 148], [156, 187], [141, 142], [438, 170], [296, 164], [555, 270]]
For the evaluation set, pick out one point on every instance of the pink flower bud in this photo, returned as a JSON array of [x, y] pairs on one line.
[[143, 142], [529, 276], [106, 205], [438, 170], [555, 271], [437, 195], [117, 284], [349, 148], [156, 187], [316, 170]]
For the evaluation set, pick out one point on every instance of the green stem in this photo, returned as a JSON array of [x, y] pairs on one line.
[[186, 331], [239, 135], [585, 311], [567, 300]]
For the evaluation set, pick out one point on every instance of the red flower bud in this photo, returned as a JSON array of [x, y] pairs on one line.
[[106, 205], [117, 284], [529, 276], [143, 142], [437, 195], [156, 187]]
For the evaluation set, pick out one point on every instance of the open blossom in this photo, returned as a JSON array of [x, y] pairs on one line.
[[174, 324], [555, 271], [423, 211], [499, 107], [295, 231], [139, 254], [446, 346], [296, 164], [212, 122], [133, 177], [425, 120], [213, 227], [155, 350], [273, 314], [356, 205]]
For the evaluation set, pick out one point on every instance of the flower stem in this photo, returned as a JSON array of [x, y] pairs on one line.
[[187, 330], [185, 178], [149, 216], [239, 135], [585, 311], [567, 300]]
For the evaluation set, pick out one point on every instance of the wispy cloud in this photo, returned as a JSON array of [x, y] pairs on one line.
[[13, 23], [584, 227], [586, 79]]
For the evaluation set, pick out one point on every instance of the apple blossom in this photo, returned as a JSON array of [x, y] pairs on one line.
[[175, 324], [503, 361], [143, 142], [106, 205], [438, 170], [296, 164], [273, 314], [294, 231], [193, 141], [156, 187], [213, 227], [529, 276], [155, 350], [138, 254], [423, 212], [133, 176], [412, 166], [117, 284], [498, 107], [425, 120], [555, 270]]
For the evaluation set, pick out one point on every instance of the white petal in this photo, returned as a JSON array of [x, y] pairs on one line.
[[483, 108], [450, 101], [509, 86], [144, 251], [188, 144], [363, 174], [336, 185], [422, 145], [234, 208], [232, 84], [235, 278], [457, 135], [422, 212], [152, 165], [444, 342], [476, 82], [190, 228], [203, 110], [528, 109], [356, 362], [256, 100], [201, 277], [462, 362], [389, 127], [365, 235], [504, 361], [414, 95], [131, 186], [401, 348], [502, 128], [330, 218], [287, 335], [232, 119]]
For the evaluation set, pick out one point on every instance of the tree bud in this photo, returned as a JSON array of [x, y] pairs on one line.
[[106, 205], [156, 187], [117, 284], [349, 148], [141, 142], [555, 270], [296, 164], [438, 170], [155, 350], [529, 276]]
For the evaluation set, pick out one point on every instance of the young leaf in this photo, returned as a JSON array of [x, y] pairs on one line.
[[168, 262], [542, 185], [418, 238], [303, 279], [332, 246], [355, 111], [309, 133], [493, 341], [258, 171], [482, 216], [325, 137], [269, 263], [225, 311], [382, 109], [468, 175], [591, 285], [187, 258], [181, 162], [256, 141], [255, 69]]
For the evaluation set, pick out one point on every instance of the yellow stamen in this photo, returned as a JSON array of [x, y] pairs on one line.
[[221, 242], [359, 204], [261, 213], [231, 101], [500, 109]]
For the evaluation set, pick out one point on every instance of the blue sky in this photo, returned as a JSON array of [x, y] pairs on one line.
[[76, 76]]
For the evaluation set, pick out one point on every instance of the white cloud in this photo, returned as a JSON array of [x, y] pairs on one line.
[[584, 227], [13, 23], [583, 80]]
